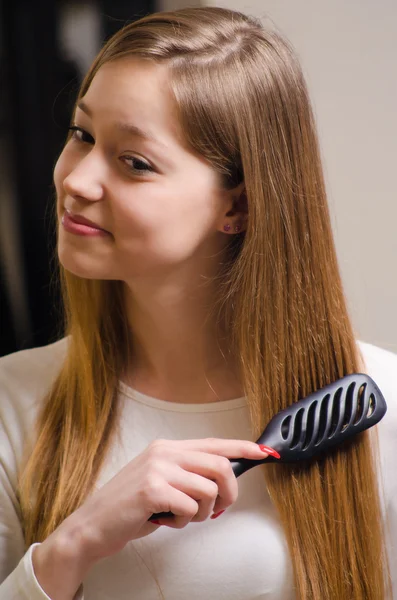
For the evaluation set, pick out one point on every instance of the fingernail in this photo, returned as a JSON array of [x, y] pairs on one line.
[[155, 522], [269, 450], [214, 516]]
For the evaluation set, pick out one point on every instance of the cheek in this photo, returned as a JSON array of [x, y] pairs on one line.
[[161, 228], [151, 214]]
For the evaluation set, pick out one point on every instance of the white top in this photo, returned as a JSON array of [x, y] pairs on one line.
[[242, 555]]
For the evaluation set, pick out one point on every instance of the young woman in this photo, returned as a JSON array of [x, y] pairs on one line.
[[202, 295]]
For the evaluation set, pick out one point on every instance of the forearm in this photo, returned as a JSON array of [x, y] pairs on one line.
[[59, 563]]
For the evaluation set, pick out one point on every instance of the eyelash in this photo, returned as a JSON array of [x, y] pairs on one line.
[[74, 129]]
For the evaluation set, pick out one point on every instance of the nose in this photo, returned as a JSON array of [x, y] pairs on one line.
[[85, 180]]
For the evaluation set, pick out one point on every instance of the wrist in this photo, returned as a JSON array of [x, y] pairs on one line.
[[73, 545], [59, 562]]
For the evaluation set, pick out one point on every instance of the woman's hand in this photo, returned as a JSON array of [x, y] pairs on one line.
[[190, 478]]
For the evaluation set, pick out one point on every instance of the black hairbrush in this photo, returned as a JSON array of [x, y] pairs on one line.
[[323, 419]]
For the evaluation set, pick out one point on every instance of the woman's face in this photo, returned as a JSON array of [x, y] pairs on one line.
[[160, 203]]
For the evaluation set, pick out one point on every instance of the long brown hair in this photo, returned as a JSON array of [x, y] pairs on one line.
[[243, 104]]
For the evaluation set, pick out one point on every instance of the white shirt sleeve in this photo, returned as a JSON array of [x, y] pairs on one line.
[[17, 577], [19, 583], [22, 584]]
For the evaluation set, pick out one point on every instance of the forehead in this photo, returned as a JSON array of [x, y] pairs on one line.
[[133, 90]]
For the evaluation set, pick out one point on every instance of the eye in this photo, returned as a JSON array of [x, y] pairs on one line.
[[84, 137], [79, 134], [141, 167]]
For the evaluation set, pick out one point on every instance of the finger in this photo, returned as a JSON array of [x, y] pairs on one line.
[[215, 468], [207, 478], [204, 490], [225, 447], [182, 506]]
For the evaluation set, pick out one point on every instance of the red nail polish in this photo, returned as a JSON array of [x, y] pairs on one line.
[[269, 451], [155, 522], [217, 514]]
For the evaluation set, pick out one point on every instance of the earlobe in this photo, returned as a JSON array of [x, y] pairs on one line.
[[236, 217], [237, 228]]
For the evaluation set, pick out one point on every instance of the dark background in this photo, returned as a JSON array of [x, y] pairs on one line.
[[39, 78]]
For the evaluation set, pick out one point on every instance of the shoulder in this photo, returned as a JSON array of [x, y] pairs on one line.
[[31, 371], [25, 378], [381, 365], [379, 360]]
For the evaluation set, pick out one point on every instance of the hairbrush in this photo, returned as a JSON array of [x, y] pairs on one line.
[[323, 419]]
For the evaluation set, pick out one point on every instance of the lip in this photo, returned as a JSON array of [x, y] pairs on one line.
[[78, 225], [83, 221]]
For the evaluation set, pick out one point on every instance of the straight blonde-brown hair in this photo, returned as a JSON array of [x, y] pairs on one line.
[[243, 104]]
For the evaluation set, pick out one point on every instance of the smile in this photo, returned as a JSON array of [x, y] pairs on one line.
[[79, 225]]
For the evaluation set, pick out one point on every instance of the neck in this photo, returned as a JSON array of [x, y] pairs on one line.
[[178, 353]]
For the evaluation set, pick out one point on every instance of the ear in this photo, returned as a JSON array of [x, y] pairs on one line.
[[237, 209]]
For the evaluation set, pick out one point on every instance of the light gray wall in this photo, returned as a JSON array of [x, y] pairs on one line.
[[348, 51]]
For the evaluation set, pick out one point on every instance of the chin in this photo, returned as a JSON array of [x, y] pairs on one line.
[[81, 264], [79, 271]]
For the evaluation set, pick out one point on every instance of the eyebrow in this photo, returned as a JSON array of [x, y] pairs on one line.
[[127, 127]]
